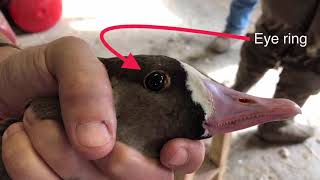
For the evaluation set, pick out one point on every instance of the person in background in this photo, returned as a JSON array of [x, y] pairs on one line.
[[300, 77], [237, 22]]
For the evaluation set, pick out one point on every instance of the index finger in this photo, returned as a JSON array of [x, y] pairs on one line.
[[125, 162]]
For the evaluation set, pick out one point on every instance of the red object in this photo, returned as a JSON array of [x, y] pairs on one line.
[[35, 15], [131, 63]]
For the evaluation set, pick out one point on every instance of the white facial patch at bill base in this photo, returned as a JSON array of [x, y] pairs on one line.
[[199, 92]]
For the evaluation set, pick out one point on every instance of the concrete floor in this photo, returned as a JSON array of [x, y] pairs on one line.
[[250, 158]]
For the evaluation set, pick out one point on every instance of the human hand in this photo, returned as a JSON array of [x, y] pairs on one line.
[[42, 151]]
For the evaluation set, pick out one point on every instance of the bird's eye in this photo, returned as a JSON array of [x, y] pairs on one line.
[[156, 81]]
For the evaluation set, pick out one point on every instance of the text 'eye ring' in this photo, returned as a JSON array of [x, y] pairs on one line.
[[156, 81]]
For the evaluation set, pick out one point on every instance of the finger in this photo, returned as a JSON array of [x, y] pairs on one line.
[[183, 155], [24, 70], [126, 163], [50, 141], [20, 159], [85, 96]]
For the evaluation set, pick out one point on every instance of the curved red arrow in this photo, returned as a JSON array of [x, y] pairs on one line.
[[131, 63]]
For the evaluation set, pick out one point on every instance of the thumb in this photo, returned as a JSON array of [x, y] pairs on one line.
[[85, 96]]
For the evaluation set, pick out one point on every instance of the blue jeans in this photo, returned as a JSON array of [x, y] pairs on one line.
[[238, 19]]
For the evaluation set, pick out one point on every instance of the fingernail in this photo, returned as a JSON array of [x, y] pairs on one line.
[[93, 134], [180, 157]]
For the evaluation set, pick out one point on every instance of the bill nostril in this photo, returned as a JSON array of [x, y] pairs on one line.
[[246, 100]]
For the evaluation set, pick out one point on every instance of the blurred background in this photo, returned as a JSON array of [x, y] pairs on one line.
[[250, 159]]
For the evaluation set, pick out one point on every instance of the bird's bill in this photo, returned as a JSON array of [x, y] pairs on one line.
[[233, 110]]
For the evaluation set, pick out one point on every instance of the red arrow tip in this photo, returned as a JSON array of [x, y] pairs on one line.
[[130, 63]]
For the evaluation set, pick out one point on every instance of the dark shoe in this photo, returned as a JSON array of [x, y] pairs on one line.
[[284, 132]]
